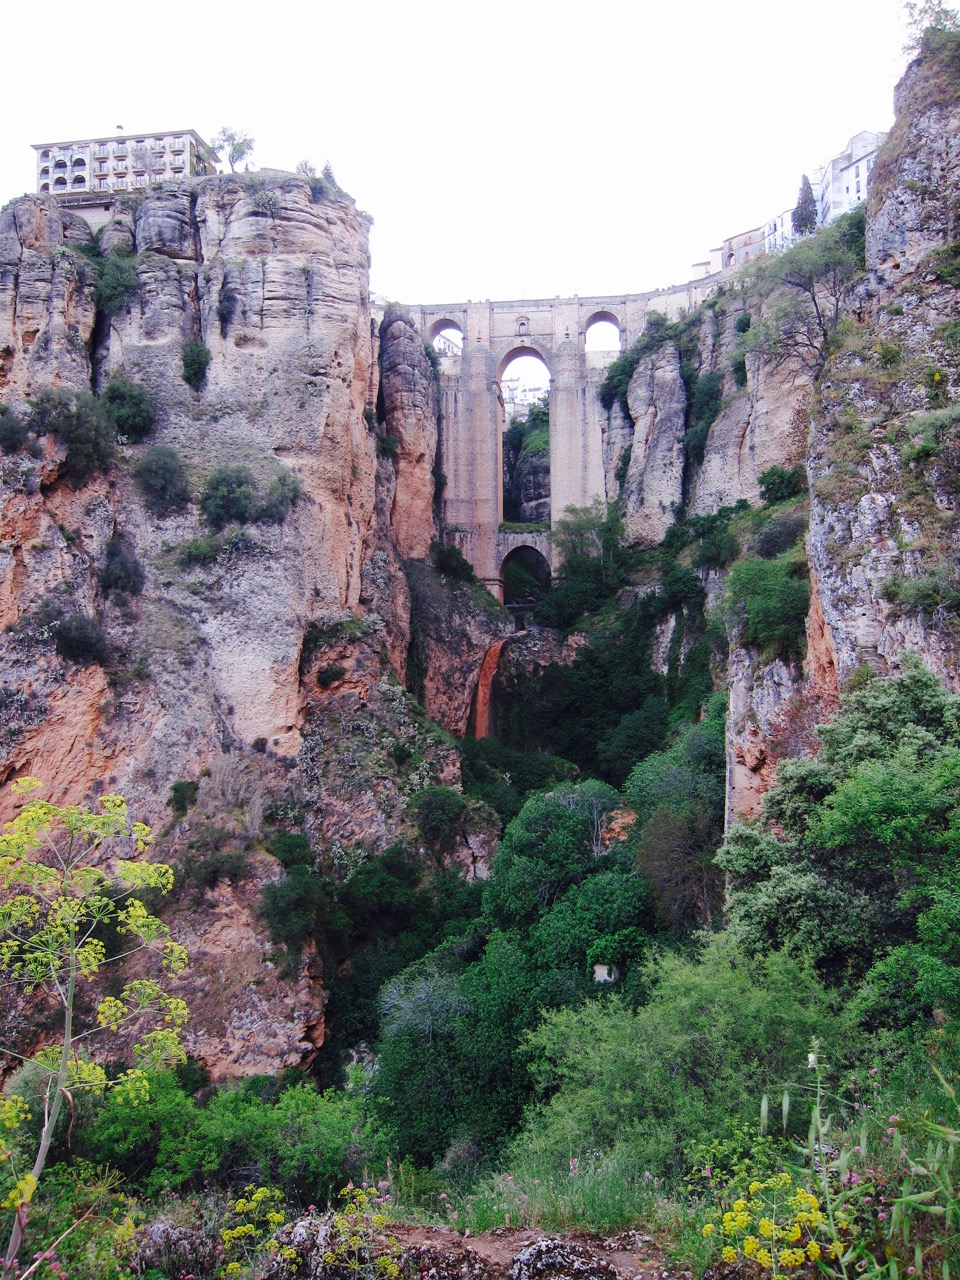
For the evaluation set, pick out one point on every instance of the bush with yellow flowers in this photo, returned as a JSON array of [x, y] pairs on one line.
[[781, 1227], [254, 1217], [359, 1248]]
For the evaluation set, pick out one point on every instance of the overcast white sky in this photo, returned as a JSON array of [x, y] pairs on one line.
[[506, 149]]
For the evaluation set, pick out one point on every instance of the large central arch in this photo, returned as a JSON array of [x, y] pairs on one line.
[[471, 410]]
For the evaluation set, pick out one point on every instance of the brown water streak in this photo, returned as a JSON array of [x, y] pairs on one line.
[[488, 669]]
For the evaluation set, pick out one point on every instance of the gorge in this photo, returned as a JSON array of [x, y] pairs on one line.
[[252, 557]]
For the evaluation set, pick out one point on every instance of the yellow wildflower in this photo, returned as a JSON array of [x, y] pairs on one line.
[[729, 1254], [813, 1251], [755, 1187], [750, 1245], [709, 1229], [765, 1227], [765, 1258]]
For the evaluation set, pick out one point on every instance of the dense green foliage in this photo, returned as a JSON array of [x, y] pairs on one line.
[[196, 357], [449, 1067], [594, 563], [230, 496], [162, 478], [860, 879], [116, 282], [77, 421], [303, 1141], [804, 289], [804, 217], [716, 1033], [777, 484], [451, 562], [79, 639], [121, 570], [766, 602], [128, 407], [14, 433]]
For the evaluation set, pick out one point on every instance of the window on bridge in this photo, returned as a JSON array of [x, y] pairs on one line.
[[525, 388], [601, 340]]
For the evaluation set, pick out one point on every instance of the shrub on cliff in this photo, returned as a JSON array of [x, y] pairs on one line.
[[766, 603], [452, 563], [439, 811], [80, 640], [777, 484], [228, 497], [116, 283], [284, 492], [162, 478], [14, 434], [76, 419], [127, 405], [121, 570], [196, 357]]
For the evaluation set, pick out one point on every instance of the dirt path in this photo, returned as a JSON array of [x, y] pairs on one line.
[[518, 1253]]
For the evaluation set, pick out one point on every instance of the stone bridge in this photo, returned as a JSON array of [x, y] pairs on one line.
[[472, 407]]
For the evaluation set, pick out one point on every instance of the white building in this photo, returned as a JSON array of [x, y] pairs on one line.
[[90, 166], [779, 234], [842, 183]]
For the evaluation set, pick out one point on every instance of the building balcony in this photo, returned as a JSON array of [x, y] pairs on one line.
[[177, 145]]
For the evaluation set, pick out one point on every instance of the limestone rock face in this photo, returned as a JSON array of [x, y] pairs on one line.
[[531, 480], [165, 224], [915, 185], [271, 656], [47, 308], [764, 426], [654, 482], [410, 400], [447, 674]]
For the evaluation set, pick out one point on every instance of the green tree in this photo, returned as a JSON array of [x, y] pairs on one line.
[[926, 15], [717, 1032], [804, 216], [856, 860], [805, 288], [56, 900], [237, 145]]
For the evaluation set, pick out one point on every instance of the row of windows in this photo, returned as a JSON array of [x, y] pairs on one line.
[[119, 147]]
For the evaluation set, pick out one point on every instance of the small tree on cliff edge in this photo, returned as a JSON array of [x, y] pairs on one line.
[[804, 216], [926, 15], [237, 145], [54, 901]]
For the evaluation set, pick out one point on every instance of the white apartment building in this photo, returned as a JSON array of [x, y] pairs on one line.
[[779, 233], [92, 166], [842, 183]]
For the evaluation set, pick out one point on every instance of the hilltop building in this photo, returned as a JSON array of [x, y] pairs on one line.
[[121, 162], [842, 183]]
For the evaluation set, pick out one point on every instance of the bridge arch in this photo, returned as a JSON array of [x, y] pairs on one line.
[[603, 331], [439, 326], [519, 347]]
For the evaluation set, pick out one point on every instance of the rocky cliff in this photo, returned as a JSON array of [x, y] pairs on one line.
[[261, 663]]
